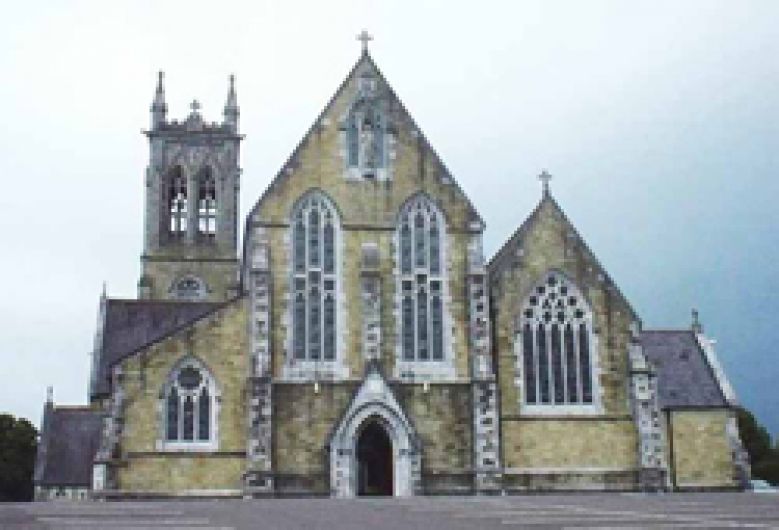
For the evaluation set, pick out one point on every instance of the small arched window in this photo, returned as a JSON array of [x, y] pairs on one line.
[[177, 203], [190, 406], [315, 279], [421, 281], [556, 343], [189, 288], [206, 204]]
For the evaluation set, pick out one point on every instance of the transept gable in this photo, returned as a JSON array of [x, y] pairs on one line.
[[573, 248]]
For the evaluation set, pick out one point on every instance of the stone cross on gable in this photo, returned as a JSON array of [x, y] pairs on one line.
[[545, 177], [364, 37]]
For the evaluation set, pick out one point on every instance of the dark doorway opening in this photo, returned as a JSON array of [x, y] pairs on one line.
[[374, 461]]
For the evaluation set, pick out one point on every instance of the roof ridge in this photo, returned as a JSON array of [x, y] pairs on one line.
[[161, 301]]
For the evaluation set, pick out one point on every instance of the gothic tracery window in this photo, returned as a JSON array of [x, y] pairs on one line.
[[190, 402], [557, 346], [315, 233], [177, 203], [421, 281], [206, 204]]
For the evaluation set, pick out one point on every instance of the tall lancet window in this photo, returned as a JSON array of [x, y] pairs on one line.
[[420, 234], [315, 270], [189, 418], [177, 202], [556, 339], [206, 204]]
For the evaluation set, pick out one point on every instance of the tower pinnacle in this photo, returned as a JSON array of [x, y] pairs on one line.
[[159, 108], [231, 111]]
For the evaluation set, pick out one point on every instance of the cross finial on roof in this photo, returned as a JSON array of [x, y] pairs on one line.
[[364, 37], [545, 177], [195, 106], [697, 327]]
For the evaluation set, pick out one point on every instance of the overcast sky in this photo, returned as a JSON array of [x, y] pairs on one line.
[[658, 121]]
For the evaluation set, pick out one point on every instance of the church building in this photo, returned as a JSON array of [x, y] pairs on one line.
[[359, 342]]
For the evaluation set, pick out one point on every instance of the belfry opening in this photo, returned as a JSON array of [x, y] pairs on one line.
[[374, 460]]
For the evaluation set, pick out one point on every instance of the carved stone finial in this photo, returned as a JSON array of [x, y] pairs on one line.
[[545, 177], [49, 394], [696, 327], [195, 106], [364, 37]]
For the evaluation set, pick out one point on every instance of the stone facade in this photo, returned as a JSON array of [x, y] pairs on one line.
[[141, 462], [363, 345], [699, 447]]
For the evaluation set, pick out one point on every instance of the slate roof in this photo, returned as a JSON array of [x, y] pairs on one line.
[[69, 440], [685, 377], [131, 325]]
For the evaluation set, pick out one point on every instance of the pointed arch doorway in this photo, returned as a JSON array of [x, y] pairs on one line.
[[374, 437], [375, 466]]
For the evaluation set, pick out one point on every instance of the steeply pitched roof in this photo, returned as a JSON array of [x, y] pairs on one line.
[[70, 438], [131, 325], [684, 377]]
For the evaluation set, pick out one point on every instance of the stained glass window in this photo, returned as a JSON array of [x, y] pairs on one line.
[[314, 278], [421, 282], [188, 405], [556, 344]]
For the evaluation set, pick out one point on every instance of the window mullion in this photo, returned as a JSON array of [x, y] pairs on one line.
[[563, 360]]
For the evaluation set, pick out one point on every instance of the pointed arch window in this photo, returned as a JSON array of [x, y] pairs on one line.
[[177, 203], [206, 204], [366, 129], [421, 281], [557, 344], [190, 407], [315, 279]]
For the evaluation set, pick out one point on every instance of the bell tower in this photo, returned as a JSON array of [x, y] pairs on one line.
[[191, 205]]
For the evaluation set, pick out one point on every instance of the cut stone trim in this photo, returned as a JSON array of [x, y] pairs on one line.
[[374, 401], [653, 474], [258, 479], [370, 282]]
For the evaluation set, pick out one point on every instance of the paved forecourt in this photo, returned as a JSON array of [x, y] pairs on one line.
[[705, 510]]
